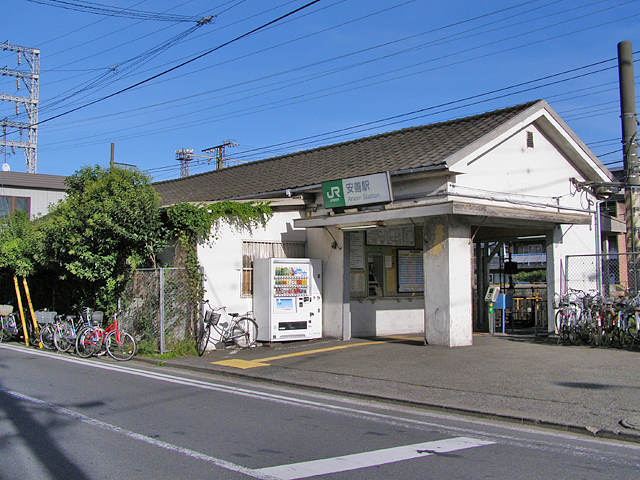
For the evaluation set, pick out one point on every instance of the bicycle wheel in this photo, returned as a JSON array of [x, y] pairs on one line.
[[88, 342], [561, 326], [244, 332], [120, 345], [598, 337], [62, 336], [575, 335], [46, 337], [203, 339], [7, 323], [633, 329]]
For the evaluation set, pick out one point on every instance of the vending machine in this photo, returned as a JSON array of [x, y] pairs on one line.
[[287, 298]]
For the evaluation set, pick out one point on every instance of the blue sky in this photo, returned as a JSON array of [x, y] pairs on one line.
[[334, 71]]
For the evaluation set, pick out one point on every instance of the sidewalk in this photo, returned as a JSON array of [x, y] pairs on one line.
[[524, 379]]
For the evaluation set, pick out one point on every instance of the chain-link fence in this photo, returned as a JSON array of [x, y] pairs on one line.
[[612, 275], [158, 308]]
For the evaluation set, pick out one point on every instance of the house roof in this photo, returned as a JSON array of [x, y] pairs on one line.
[[400, 150], [36, 181]]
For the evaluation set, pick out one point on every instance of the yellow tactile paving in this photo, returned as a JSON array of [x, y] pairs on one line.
[[239, 363], [261, 362]]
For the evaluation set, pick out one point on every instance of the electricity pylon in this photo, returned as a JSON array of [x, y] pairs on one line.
[[30, 79]]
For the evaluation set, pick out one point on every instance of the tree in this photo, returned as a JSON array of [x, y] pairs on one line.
[[108, 224], [19, 240], [86, 248]]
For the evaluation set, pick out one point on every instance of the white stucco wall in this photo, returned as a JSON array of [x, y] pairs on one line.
[[534, 176], [222, 260], [41, 200], [508, 174], [319, 245], [387, 316]]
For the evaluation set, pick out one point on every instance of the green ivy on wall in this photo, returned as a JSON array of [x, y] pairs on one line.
[[191, 224]]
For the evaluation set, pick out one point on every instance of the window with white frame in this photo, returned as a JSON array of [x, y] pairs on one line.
[[253, 250]]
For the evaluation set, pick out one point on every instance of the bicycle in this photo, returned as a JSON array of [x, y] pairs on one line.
[[46, 325], [91, 318], [119, 344], [11, 324], [241, 329], [65, 332], [62, 333], [628, 322], [566, 317]]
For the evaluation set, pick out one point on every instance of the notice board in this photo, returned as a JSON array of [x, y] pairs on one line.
[[403, 236]]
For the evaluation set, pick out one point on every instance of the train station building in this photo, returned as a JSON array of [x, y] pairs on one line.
[[404, 222]]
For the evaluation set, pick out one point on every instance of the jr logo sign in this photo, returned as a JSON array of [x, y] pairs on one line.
[[333, 194]]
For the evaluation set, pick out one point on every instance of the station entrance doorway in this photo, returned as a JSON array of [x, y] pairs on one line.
[[510, 286]]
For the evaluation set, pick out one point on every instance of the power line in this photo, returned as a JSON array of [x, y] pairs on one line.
[[266, 106], [396, 41], [100, 9], [128, 43], [182, 64], [415, 113], [420, 113], [107, 78], [317, 75]]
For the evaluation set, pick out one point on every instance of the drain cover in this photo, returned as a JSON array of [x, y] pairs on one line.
[[631, 422]]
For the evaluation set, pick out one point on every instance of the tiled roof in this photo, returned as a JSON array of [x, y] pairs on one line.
[[415, 147]]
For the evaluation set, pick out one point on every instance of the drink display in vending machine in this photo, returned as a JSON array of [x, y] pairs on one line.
[[287, 298]]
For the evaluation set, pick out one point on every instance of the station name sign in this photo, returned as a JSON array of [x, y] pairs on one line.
[[357, 191]]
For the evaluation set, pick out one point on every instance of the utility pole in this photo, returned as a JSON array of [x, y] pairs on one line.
[[219, 150], [186, 155], [630, 158], [30, 78]]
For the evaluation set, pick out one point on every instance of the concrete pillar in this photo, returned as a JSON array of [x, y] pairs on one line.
[[554, 275], [346, 288], [448, 282]]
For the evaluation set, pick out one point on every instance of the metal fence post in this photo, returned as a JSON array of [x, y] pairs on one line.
[[162, 339]]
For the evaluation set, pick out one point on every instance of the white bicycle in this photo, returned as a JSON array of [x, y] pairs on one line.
[[241, 329]]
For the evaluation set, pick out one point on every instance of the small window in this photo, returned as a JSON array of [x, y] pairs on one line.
[[253, 250], [529, 139]]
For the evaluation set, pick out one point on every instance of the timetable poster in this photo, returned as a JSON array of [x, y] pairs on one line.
[[410, 271], [356, 251]]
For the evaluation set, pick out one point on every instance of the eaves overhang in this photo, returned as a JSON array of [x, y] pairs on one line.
[[489, 215]]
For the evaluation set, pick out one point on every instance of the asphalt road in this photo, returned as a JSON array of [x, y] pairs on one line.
[[68, 418]]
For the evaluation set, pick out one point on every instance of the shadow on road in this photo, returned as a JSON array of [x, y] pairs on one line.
[[35, 436]]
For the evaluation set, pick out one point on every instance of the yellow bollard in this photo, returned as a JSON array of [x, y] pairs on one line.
[[36, 330], [24, 323]]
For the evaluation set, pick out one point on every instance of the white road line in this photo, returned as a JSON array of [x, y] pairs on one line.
[[143, 438], [370, 459], [283, 472]]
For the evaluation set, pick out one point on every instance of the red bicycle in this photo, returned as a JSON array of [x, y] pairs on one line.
[[119, 344]]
